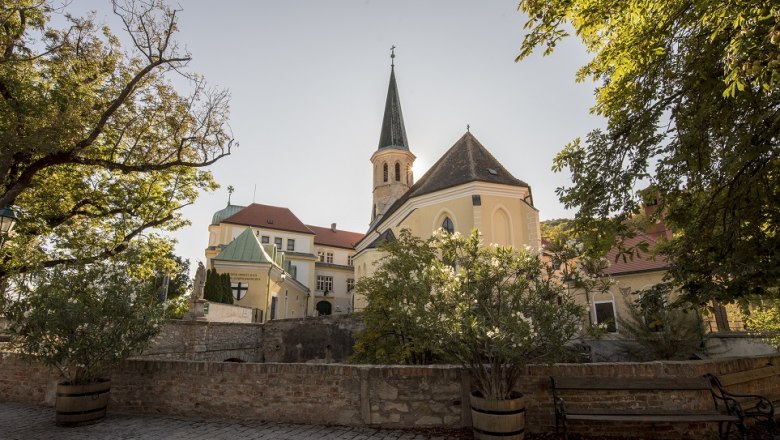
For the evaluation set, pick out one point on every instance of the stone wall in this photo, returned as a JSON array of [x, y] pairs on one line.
[[325, 339], [389, 396]]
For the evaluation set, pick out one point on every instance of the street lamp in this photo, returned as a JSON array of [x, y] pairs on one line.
[[7, 222]]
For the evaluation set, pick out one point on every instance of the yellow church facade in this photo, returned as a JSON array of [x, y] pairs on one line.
[[466, 189]]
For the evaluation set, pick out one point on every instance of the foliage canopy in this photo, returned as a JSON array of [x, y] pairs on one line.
[[98, 147], [491, 309], [691, 94], [82, 319]]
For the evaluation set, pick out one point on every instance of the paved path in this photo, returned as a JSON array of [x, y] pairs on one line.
[[28, 422]]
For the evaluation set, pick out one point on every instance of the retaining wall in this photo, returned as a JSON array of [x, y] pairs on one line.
[[389, 396], [324, 339]]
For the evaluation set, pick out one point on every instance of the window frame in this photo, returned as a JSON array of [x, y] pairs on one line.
[[448, 222], [611, 326], [265, 239], [323, 282], [291, 244]]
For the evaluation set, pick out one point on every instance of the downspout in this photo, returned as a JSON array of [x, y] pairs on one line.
[[268, 294]]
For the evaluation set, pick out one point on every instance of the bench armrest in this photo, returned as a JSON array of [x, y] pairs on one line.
[[762, 404]]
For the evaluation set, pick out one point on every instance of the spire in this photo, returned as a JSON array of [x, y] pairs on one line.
[[393, 132]]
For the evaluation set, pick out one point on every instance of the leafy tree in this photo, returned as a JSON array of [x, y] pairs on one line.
[[655, 329], [491, 309], [217, 287], [180, 282], [764, 321], [691, 94], [227, 289], [98, 147], [82, 319], [398, 327]]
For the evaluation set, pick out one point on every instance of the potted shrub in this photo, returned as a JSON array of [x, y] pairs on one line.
[[82, 320], [499, 309], [491, 309]]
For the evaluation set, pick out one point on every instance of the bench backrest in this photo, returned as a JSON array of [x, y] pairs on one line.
[[749, 375], [631, 383]]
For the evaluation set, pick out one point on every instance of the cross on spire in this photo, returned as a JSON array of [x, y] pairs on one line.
[[230, 190], [392, 56]]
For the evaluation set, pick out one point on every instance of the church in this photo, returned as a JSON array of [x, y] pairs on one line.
[[466, 188], [283, 268]]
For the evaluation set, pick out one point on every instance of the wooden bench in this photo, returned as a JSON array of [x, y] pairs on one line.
[[757, 406], [725, 411]]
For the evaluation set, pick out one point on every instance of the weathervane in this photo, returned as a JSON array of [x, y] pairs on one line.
[[392, 56], [230, 192], [468, 128]]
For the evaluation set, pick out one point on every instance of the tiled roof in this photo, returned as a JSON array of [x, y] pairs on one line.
[[246, 249], [466, 161], [641, 262], [270, 217], [337, 238], [393, 133]]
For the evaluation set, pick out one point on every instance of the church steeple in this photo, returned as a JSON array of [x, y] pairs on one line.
[[392, 161], [393, 132]]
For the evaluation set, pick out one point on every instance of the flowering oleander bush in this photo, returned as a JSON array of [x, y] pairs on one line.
[[491, 309], [82, 320]]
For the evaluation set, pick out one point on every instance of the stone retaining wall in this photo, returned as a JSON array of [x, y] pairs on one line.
[[389, 396], [324, 339]]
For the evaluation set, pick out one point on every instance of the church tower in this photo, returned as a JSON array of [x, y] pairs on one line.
[[392, 160]]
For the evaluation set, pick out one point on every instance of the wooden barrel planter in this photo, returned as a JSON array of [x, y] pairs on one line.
[[498, 419], [81, 404]]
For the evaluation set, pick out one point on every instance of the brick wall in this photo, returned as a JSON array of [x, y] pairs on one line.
[[391, 396]]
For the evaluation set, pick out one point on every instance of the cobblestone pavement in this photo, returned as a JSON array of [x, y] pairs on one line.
[[29, 422]]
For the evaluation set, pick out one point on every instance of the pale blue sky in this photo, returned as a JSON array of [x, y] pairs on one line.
[[308, 81]]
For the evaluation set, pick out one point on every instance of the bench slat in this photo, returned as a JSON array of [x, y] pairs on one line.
[[655, 418], [749, 375], [632, 383], [640, 412]]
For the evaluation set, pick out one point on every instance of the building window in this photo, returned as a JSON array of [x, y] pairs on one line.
[[397, 172], [447, 225], [329, 258], [350, 284], [350, 260], [290, 244], [321, 256], [384, 173], [265, 239], [605, 314], [324, 283], [274, 304], [278, 242]]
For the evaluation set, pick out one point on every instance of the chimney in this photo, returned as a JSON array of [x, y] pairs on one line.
[[333, 227]]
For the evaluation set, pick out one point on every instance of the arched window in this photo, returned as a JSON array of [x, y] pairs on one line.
[[384, 172], [447, 225], [397, 172]]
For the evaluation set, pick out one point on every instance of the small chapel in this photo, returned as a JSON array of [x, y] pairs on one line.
[[283, 268]]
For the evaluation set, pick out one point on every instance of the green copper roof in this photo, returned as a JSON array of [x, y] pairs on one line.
[[225, 212], [246, 249], [393, 132]]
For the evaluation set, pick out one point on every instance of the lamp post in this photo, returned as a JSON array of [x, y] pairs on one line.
[[7, 222]]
